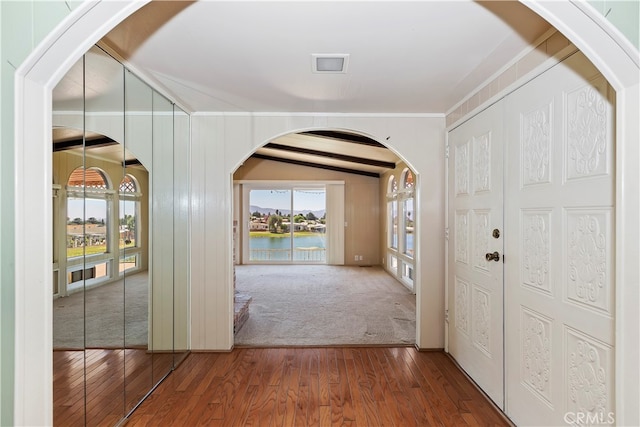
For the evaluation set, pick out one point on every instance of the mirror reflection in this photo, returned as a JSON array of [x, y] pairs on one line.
[[120, 302]]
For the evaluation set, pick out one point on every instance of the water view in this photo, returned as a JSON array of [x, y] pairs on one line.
[[287, 225], [305, 248]]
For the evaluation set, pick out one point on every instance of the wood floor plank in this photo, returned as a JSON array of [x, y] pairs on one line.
[[348, 413], [284, 387]]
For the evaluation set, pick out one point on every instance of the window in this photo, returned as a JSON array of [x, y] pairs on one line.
[[287, 224], [408, 214], [401, 229], [392, 213]]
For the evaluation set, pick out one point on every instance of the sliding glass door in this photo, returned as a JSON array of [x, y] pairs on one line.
[[287, 225]]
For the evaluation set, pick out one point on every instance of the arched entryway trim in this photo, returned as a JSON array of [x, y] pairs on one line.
[[91, 20]]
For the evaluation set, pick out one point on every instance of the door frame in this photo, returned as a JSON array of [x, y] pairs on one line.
[[50, 60]]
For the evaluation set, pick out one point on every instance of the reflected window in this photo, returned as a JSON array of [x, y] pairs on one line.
[[128, 221], [128, 212], [87, 213]]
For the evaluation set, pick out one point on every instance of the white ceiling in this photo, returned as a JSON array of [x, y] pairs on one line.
[[255, 56]]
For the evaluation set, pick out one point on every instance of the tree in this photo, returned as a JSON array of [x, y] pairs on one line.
[[299, 218], [275, 224], [311, 216], [256, 214]]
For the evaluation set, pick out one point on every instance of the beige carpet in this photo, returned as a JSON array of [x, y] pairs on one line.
[[303, 305]]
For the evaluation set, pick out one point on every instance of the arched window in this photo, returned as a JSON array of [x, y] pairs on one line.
[[88, 227], [128, 221]]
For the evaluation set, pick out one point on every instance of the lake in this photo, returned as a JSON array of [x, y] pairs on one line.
[[306, 248]]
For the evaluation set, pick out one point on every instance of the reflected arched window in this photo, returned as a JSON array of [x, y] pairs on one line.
[[128, 184], [128, 221], [87, 213], [88, 178]]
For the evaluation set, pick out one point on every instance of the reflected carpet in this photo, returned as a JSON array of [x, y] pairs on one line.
[[99, 317]]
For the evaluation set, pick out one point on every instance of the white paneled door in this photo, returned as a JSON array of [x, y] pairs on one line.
[[475, 249], [557, 321], [559, 284]]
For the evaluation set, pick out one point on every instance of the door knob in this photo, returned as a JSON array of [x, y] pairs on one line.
[[493, 256]]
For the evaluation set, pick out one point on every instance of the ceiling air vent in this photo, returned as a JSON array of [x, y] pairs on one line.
[[329, 63]]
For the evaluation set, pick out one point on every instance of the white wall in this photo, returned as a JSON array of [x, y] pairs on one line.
[[222, 142]]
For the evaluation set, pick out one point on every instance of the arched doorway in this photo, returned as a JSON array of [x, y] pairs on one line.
[[274, 191], [36, 77]]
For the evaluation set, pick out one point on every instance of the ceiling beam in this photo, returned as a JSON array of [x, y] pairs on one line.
[[80, 142], [316, 165], [131, 162], [343, 136], [335, 156]]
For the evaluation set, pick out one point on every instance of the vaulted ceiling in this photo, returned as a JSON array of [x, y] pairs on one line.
[[404, 57]]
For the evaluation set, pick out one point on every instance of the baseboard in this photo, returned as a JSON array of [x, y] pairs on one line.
[[427, 349]]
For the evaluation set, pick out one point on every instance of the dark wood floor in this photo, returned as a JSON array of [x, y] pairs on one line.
[[317, 387]]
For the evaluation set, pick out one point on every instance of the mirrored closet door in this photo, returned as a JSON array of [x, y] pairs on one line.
[[120, 255]]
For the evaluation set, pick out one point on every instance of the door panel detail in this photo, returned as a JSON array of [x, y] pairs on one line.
[[536, 354], [588, 115], [482, 163], [481, 320], [462, 169], [589, 263], [536, 255], [536, 145], [589, 375], [462, 237], [462, 306]]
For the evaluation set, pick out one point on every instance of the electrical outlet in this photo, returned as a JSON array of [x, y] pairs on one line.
[[355, 258]]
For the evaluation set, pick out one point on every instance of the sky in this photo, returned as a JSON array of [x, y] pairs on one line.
[[313, 199], [95, 208]]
